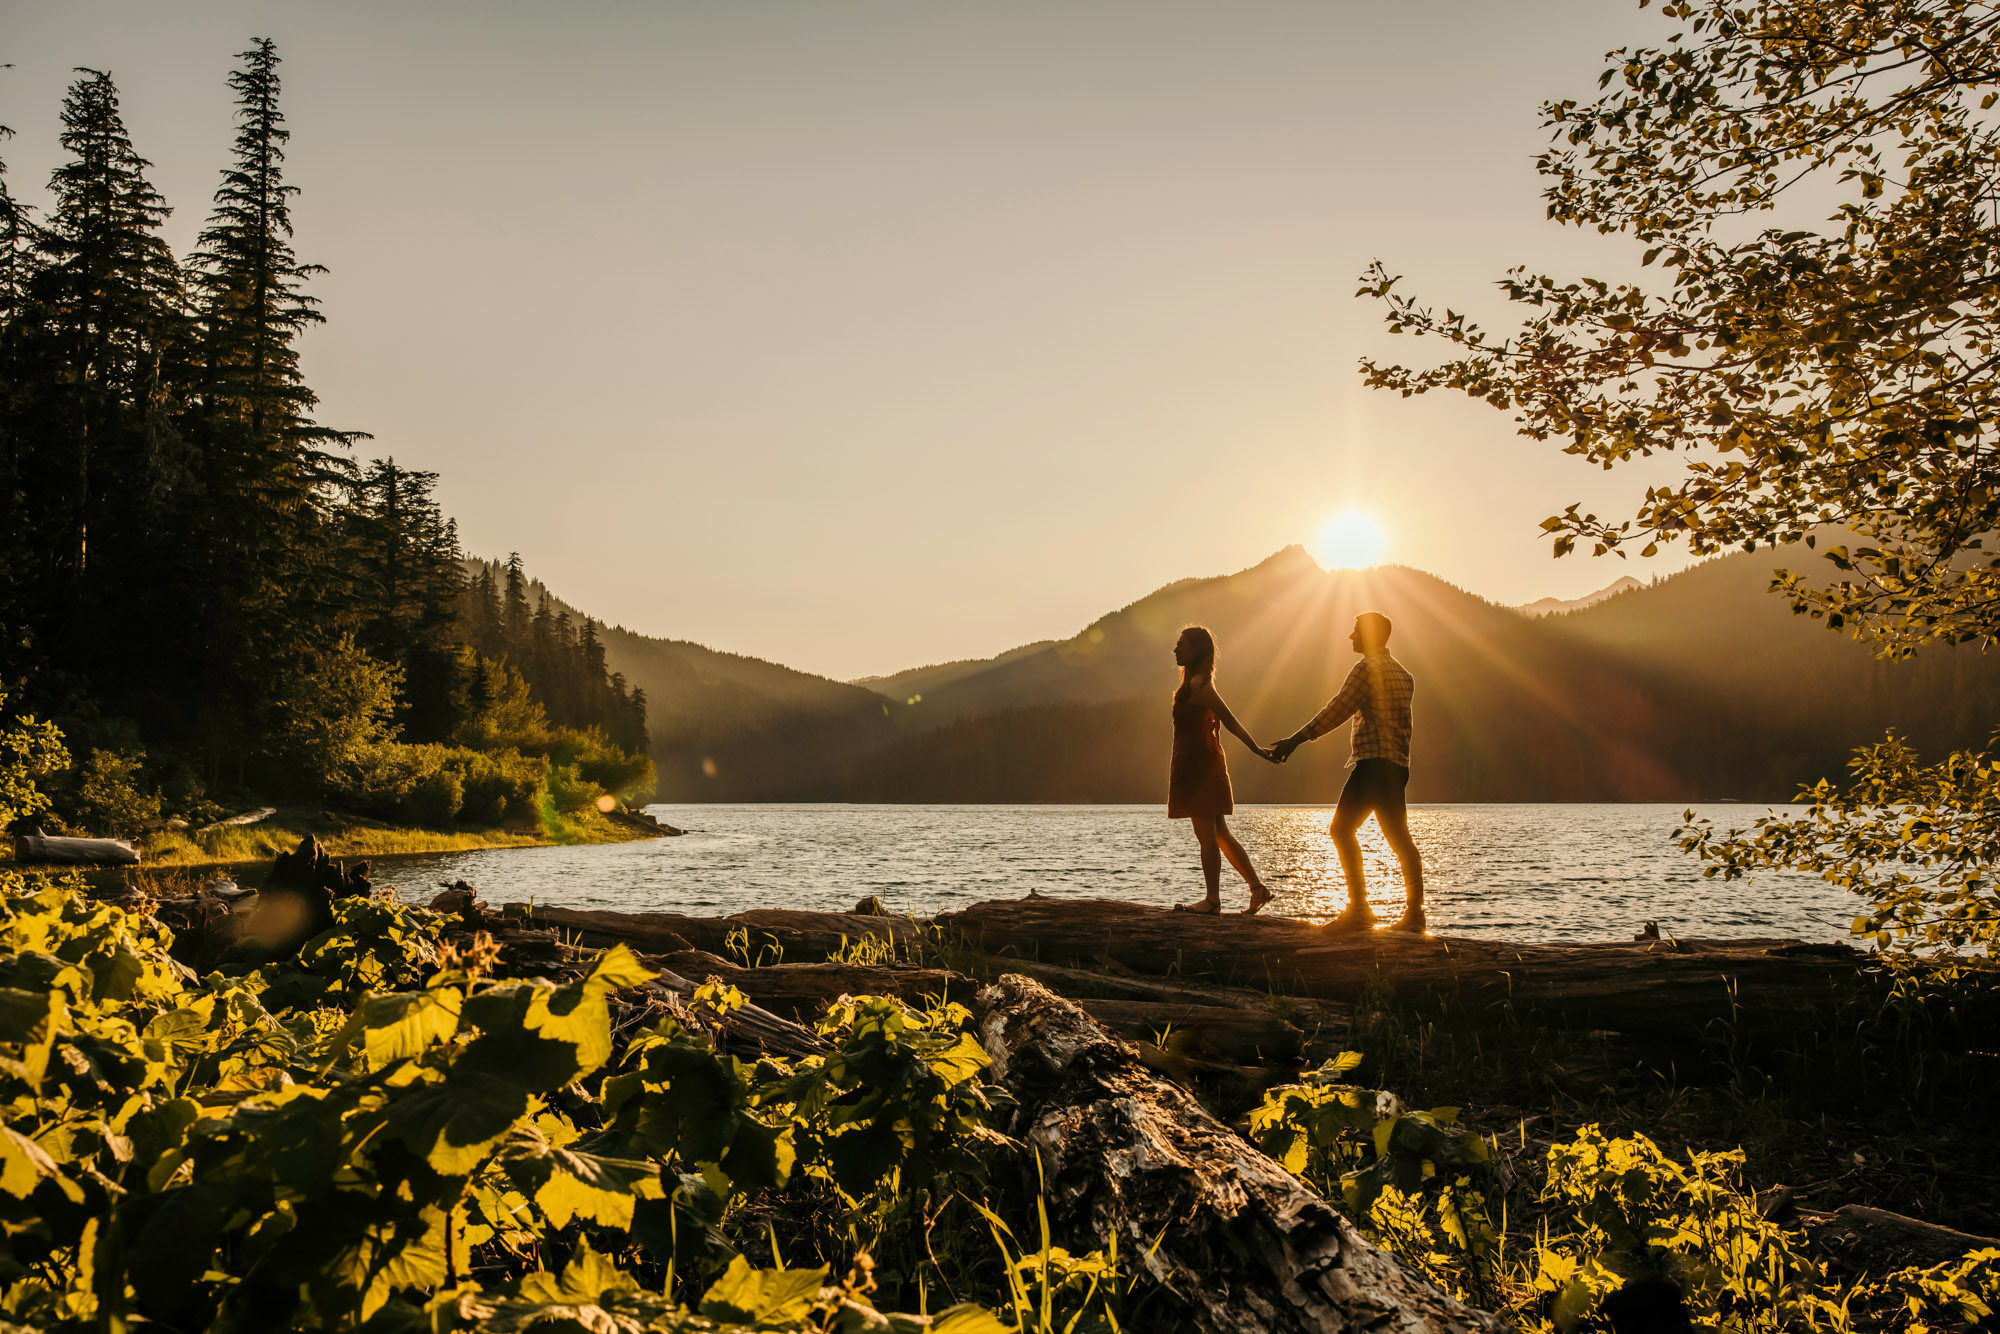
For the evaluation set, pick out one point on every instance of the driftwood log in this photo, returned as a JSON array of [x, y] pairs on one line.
[[1241, 1242], [40, 847], [1874, 1241], [774, 935], [1239, 1034], [1666, 988], [258, 816]]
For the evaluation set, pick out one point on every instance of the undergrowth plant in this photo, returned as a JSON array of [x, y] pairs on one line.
[[383, 1136]]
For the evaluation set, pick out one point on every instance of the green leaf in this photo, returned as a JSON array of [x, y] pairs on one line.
[[763, 1296], [23, 1163], [567, 1184]]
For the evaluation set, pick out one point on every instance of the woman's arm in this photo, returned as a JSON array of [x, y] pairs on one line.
[[1228, 720]]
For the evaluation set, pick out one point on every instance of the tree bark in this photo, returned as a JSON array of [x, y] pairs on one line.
[[1655, 988], [778, 935], [74, 851], [1241, 1242]]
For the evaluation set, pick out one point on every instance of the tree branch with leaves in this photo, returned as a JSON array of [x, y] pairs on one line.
[[1839, 376]]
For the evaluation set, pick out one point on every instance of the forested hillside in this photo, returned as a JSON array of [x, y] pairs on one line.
[[1701, 685], [204, 587], [726, 727]]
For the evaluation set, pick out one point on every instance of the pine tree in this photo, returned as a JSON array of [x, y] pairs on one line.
[[514, 629], [269, 471], [403, 579], [105, 307], [96, 351], [17, 563]]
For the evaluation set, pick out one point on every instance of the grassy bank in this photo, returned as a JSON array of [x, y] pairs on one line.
[[236, 845]]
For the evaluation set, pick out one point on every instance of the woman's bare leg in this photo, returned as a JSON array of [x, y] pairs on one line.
[[1211, 865], [1238, 858]]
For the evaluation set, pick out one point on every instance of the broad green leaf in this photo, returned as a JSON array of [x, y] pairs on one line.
[[762, 1296]]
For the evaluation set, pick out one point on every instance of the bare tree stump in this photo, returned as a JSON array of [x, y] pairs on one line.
[[1242, 1243]]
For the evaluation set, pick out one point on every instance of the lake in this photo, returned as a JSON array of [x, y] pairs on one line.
[[1523, 872]]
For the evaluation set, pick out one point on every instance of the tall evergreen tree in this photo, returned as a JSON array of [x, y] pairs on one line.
[[403, 581], [268, 469], [99, 341], [514, 629], [17, 561]]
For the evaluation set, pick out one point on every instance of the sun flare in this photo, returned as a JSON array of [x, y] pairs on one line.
[[1350, 540]]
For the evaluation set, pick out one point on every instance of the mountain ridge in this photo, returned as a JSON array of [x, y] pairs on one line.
[[1699, 685]]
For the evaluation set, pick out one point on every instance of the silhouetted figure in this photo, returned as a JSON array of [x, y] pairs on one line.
[[1377, 696], [1198, 782]]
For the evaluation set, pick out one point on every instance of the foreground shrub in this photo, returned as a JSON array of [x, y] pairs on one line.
[[439, 785], [384, 1136]]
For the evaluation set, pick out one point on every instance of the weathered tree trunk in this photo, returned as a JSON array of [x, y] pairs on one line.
[[1237, 1033], [258, 816], [1241, 1242], [40, 847], [1663, 988], [773, 934]]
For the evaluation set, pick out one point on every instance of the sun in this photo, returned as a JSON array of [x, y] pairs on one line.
[[1350, 540]]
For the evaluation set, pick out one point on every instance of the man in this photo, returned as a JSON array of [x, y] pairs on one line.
[[1376, 695]]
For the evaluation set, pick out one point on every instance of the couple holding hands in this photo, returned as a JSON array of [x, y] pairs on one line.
[[1376, 695]]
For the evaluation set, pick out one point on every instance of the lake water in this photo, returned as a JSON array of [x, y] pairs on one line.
[[1525, 872]]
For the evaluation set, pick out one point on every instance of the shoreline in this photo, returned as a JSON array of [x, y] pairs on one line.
[[234, 847]]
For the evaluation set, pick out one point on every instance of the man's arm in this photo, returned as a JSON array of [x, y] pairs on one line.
[[1337, 711]]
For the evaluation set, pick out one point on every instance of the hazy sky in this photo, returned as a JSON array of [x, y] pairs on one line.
[[859, 336]]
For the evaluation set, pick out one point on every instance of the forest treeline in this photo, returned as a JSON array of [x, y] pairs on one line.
[[205, 587]]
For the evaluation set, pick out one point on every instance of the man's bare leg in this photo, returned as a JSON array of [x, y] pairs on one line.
[[1396, 831], [1346, 825]]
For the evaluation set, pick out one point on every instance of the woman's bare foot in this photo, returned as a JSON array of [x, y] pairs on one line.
[[1207, 906], [1259, 896], [1412, 921]]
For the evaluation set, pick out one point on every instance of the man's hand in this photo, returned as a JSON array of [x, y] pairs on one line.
[[1282, 750]]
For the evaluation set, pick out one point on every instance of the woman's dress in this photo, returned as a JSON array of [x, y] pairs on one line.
[[1198, 783]]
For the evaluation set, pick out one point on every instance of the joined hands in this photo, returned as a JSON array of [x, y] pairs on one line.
[[1282, 751]]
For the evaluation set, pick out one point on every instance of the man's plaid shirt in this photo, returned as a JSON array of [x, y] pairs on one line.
[[1377, 696]]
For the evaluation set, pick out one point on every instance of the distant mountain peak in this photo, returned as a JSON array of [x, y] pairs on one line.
[[1557, 606]]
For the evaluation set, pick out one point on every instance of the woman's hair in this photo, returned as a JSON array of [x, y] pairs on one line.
[[1204, 649]]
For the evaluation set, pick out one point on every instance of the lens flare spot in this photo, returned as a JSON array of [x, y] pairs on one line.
[[607, 803]]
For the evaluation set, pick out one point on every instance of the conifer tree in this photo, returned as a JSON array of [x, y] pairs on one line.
[[267, 468], [403, 580], [104, 307], [514, 628]]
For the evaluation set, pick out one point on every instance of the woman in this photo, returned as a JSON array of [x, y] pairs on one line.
[[1198, 785]]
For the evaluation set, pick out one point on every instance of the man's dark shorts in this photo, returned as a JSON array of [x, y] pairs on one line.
[[1375, 785]]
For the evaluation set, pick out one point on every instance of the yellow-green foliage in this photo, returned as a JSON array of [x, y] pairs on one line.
[[434, 786], [1613, 1210], [382, 1134], [261, 842], [30, 750]]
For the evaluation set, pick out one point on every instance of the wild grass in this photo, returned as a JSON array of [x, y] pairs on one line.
[[1883, 1100], [237, 844]]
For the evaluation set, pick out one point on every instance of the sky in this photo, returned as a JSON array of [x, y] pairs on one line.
[[859, 336]]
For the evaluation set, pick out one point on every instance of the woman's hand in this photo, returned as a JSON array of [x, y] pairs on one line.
[[1265, 753]]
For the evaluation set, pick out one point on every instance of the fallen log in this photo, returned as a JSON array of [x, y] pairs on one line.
[[40, 847], [1874, 1241], [258, 816], [801, 990], [770, 935], [1664, 988], [1242, 1243]]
